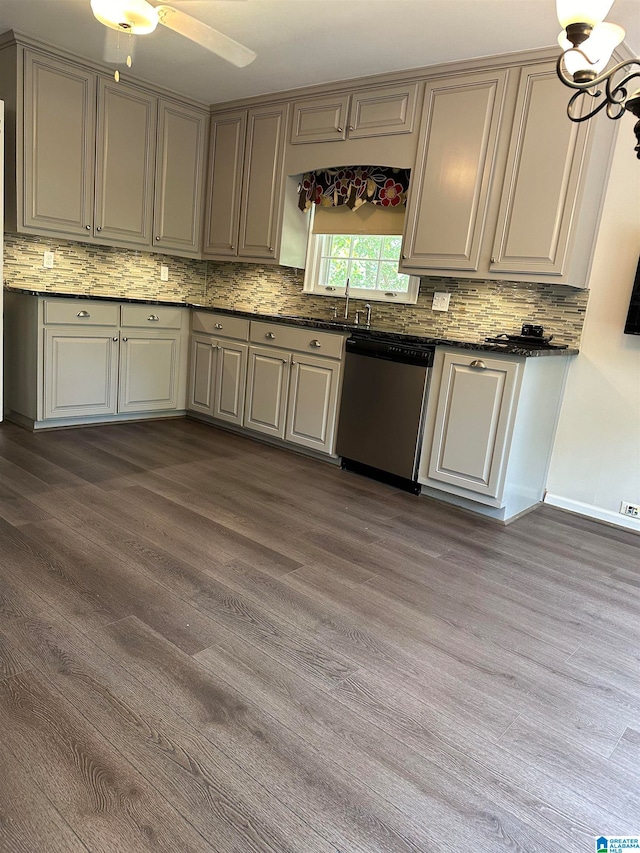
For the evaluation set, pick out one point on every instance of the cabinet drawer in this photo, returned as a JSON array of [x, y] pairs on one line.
[[296, 338], [222, 325], [152, 316], [81, 312]]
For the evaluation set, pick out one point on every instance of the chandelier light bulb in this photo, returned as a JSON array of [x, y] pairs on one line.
[[589, 12]]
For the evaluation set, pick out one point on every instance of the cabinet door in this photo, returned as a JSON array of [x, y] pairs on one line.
[[474, 420], [267, 384], [230, 382], [59, 146], [149, 372], [540, 193], [385, 111], [224, 184], [320, 120], [80, 372], [450, 183], [313, 401], [125, 163], [261, 188], [202, 367], [179, 178]]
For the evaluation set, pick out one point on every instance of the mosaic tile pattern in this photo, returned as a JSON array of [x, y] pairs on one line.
[[478, 309], [100, 270]]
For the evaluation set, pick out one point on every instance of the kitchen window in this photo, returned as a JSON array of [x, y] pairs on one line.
[[369, 261]]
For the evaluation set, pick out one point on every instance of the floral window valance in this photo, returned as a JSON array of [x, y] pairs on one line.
[[353, 186]]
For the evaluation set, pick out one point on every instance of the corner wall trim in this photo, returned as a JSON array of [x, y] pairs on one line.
[[594, 512]]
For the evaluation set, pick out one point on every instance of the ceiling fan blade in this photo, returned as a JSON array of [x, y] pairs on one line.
[[205, 36]]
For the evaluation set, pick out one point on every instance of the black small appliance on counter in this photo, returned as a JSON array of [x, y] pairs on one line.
[[632, 326], [532, 337]]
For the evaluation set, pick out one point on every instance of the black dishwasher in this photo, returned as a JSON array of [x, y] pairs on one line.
[[384, 395]]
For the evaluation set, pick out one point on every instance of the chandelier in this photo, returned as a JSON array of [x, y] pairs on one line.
[[588, 41]]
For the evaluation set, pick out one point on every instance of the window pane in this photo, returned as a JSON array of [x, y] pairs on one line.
[[339, 246], [366, 246], [337, 273], [364, 274], [391, 279], [391, 247]]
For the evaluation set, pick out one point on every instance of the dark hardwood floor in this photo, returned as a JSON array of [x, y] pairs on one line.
[[211, 644]]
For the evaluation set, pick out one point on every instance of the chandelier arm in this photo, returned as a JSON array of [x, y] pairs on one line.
[[574, 99], [618, 93], [605, 76]]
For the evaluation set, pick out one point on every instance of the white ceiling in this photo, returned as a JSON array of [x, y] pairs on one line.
[[302, 42]]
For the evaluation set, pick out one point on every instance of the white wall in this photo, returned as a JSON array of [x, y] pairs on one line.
[[596, 457]]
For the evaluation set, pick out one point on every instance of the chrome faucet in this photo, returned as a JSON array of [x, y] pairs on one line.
[[368, 310], [346, 301]]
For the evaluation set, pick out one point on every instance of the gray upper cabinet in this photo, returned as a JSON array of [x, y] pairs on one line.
[[125, 163], [179, 182], [59, 146], [383, 111], [450, 183], [540, 190], [224, 184], [260, 209]]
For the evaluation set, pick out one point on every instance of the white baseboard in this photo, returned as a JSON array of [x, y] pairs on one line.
[[595, 512]]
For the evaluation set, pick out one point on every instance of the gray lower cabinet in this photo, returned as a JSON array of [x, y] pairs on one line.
[[489, 429], [267, 378], [80, 372], [82, 361], [267, 388], [217, 378]]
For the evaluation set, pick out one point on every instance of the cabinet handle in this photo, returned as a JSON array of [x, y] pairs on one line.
[[153, 317], [83, 314], [315, 343], [339, 129], [125, 340], [270, 336], [115, 339], [480, 365], [218, 326]]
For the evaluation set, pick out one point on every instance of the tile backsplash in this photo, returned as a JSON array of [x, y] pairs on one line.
[[478, 308]]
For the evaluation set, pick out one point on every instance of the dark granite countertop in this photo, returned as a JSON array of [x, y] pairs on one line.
[[329, 325]]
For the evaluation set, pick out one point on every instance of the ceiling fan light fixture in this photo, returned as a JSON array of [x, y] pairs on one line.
[[134, 16]]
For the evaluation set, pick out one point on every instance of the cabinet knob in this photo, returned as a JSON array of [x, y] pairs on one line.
[[351, 127], [477, 363], [315, 343], [218, 326], [215, 346], [232, 246], [88, 227], [493, 260], [270, 336], [115, 339], [83, 314], [153, 317], [271, 248], [157, 238], [125, 340], [99, 228], [339, 129]]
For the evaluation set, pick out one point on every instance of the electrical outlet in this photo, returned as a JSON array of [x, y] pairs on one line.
[[632, 510], [164, 272], [441, 301], [47, 261]]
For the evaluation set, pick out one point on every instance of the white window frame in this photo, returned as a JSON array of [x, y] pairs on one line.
[[312, 279]]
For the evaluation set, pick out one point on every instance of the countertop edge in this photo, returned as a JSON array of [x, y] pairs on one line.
[[310, 322]]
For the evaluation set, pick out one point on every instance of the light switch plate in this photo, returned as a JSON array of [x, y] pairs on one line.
[[164, 272], [441, 301], [47, 261]]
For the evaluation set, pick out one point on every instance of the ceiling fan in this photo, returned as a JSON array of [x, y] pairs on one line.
[[139, 17]]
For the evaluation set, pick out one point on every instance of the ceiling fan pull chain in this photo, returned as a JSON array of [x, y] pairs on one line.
[[130, 45]]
